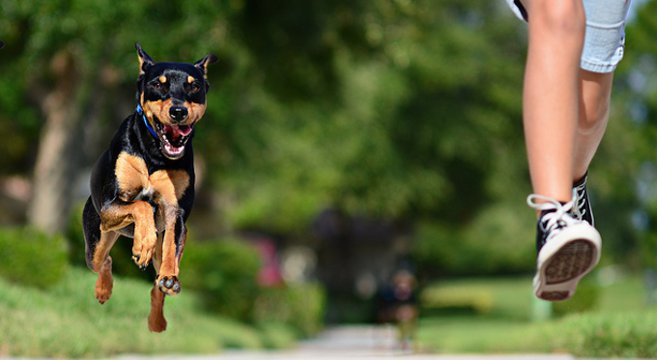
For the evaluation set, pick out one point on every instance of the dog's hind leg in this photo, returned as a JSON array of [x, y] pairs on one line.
[[102, 264], [156, 320], [98, 245]]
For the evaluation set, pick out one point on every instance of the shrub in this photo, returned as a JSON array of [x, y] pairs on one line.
[[621, 335], [498, 241], [32, 257], [299, 305], [224, 272], [446, 299]]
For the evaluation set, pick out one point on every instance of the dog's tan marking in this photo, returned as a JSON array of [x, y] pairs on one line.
[[156, 320], [171, 185], [103, 247], [132, 176], [102, 264], [195, 111], [190, 79], [158, 108], [105, 282], [162, 79]]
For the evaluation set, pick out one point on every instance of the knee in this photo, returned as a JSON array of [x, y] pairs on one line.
[[559, 17]]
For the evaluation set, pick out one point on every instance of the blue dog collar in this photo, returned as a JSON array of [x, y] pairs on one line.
[[140, 111]]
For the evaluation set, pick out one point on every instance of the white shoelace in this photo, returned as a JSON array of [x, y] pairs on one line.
[[579, 210], [554, 221]]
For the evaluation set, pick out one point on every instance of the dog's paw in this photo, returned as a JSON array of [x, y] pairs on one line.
[[169, 284], [143, 249], [156, 322], [103, 295], [104, 282], [103, 289]]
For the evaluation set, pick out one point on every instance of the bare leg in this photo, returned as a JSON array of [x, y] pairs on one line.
[[594, 114], [551, 93]]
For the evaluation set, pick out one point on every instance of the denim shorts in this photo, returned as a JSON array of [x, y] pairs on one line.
[[604, 42]]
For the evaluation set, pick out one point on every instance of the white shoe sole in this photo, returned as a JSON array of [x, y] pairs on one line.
[[564, 260]]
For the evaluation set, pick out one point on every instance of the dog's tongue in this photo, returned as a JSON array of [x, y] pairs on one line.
[[175, 132]]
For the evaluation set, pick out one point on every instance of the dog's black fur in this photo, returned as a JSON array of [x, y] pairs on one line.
[[142, 186]]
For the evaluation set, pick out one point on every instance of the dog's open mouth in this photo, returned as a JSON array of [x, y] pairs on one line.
[[173, 138]]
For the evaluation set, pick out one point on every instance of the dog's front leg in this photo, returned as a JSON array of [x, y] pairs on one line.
[[170, 185], [167, 278], [141, 214]]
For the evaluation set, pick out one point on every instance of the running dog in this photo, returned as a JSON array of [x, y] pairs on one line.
[[142, 186]]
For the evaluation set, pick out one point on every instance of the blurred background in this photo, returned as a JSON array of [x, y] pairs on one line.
[[346, 144]]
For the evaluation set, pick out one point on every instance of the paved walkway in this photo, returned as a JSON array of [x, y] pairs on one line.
[[351, 343]]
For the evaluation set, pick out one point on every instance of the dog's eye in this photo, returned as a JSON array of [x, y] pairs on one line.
[[194, 87], [157, 85]]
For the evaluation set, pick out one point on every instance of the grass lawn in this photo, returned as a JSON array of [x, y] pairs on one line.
[[620, 324], [67, 321]]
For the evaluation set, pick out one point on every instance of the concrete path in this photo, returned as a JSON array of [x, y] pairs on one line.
[[351, 343]]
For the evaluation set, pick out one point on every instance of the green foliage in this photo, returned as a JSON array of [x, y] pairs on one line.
[[300, 306], [619, 326], [498, 240], [224, 273], [67, 322], [404, 110], [31, 257], [622, 335], [445, 300], [277, 335]]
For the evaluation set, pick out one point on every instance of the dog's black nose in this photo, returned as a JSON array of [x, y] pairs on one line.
[[178, 113]]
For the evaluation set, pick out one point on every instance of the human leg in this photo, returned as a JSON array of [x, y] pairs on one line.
[[550, 97], [595, 95]]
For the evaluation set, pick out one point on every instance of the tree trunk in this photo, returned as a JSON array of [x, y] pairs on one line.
[[59, 153]]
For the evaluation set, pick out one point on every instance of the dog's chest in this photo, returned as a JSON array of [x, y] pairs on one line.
[[135, 183]]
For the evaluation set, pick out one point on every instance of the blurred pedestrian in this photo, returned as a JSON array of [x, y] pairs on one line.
[[574, 47]]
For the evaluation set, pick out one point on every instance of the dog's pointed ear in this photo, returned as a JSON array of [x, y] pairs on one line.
[[203, 64], [145, 61]]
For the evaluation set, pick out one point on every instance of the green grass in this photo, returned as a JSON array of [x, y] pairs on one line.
[[67, 321], [620, 325]]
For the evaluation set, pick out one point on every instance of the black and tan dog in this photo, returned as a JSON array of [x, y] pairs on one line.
[[142, 186]]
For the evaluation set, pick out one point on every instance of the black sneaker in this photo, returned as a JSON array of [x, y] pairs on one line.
[[518, 9], [568, 248], [582, 208]]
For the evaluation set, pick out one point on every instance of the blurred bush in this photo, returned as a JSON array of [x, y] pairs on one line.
[[629, 334], [224, 272], [299, 305], [455, 299], [31, 257], [499, 240]]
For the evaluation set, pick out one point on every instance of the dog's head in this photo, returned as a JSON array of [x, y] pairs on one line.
[[172, 96]]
